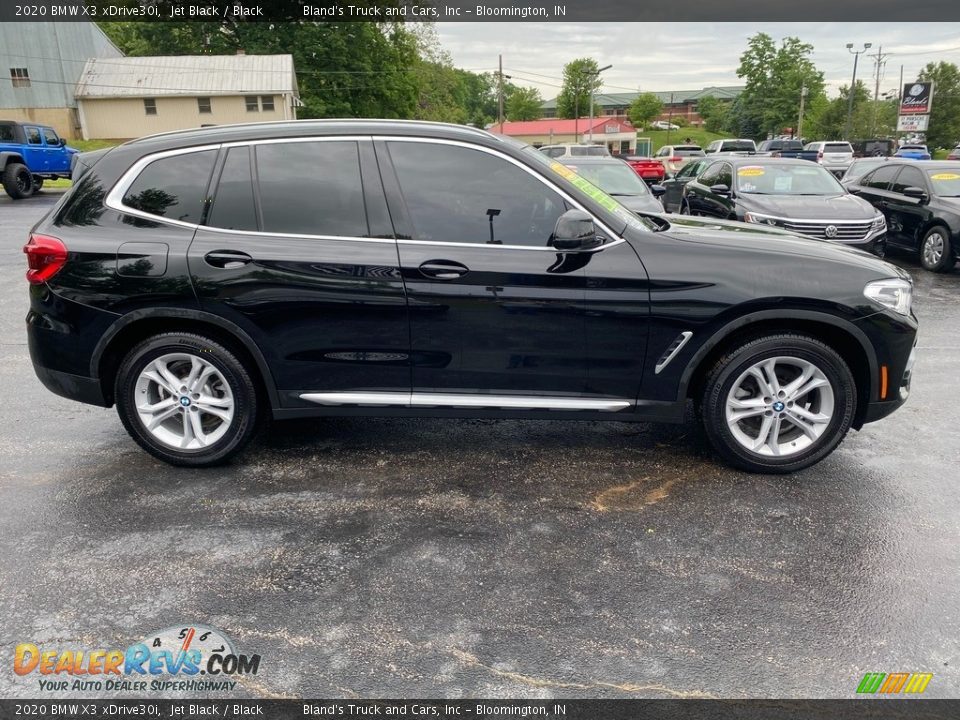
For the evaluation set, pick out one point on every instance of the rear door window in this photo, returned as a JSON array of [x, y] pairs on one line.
[[233, 204], [311, 188], [881, 178], [173, 187]]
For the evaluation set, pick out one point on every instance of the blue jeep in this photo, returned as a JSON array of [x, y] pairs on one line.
[[30, 154]]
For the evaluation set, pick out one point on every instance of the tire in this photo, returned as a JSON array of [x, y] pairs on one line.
[[684, 208], [17, 181], [739, 410], [223, 393], [37, 184], [936, 255]]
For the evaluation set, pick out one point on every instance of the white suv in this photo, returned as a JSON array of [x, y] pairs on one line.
[[567, 151], [834, 155]]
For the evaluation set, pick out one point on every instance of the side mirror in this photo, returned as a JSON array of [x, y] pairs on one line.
[[658, 190], [915, 192], [63, 142], [575, 231], [720, 189]]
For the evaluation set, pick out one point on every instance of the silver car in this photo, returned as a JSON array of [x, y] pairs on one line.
[[834, 155]]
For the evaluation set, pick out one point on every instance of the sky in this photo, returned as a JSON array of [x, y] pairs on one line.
[[688, 56]]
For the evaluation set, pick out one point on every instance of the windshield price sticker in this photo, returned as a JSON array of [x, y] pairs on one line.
[[945, 176], [751, 171]]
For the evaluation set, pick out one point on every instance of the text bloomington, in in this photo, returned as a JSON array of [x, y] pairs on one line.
[[432, 13]]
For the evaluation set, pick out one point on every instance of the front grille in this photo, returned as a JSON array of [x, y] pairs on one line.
[[845, 230]]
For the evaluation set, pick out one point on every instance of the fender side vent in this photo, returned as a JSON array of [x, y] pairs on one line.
[[671, 352]]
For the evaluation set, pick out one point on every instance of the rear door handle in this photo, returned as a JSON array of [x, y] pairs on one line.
[[443, 269], [227, 259]]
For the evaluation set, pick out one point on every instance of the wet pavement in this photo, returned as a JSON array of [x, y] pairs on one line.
[[401, 558]]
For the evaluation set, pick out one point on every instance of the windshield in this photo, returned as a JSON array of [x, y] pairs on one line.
[[946, 183], [687, 151], [837, 148], [606, 201], [738, 145], [862, 167], [614, 178], [922, 148], [787, 180], [591, 151]]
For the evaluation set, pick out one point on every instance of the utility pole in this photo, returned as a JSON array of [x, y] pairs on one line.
[[880, 59], [594, 75], [853, 86], [500, 93], [803, 97]]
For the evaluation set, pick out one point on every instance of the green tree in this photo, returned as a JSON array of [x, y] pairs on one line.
[[714, 113], [580, 79], [828, 119], [774, 76], [944, 128], [523, 103], [644, 110]]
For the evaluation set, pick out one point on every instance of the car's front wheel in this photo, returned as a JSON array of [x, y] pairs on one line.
[[935, 252], [778, 403], [186, 399]]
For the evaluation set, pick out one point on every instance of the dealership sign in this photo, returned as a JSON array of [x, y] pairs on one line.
[[913, 123], [916, 98]]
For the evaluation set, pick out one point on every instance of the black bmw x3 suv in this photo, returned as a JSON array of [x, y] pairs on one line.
[[205, 281]]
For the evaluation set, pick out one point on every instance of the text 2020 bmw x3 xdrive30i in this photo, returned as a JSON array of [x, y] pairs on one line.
[[205, 280]]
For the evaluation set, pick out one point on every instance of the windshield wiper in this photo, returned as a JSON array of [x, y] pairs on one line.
[[613, 194]]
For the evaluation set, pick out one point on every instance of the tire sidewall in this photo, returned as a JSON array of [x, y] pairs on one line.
[[837, 373], [233, 372], [10, 174]]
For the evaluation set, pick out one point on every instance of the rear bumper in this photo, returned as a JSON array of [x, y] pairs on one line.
[[73, 387]]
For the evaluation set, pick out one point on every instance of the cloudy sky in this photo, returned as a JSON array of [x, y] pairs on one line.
[[683, 56]]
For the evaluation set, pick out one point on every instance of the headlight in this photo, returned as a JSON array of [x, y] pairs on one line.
[[893, 293], [879, 222], [752, 217]]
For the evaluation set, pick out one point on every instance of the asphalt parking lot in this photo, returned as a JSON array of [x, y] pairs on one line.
[[412, 558]]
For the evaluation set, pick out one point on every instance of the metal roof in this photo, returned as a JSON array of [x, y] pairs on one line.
[[191, 75]]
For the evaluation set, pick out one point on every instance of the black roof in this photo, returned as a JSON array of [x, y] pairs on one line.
[[302, 128]]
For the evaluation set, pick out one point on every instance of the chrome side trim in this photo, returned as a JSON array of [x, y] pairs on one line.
[[454, 400], [686, 335]]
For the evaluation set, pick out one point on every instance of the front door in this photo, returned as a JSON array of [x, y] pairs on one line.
[[906, 216], [495, 310], [58, 161], [301, 255]]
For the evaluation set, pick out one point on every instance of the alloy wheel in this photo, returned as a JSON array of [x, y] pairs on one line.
[[933, 249], [183, 401], [780, 406]]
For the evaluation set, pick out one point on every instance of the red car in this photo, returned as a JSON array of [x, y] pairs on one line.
[[647, 168]]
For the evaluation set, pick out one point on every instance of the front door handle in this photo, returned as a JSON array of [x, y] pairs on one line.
[[443, 269], [227, 259]]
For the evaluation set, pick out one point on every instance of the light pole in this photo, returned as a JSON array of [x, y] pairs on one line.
[[803, 98], [853, 85], [594, 74]]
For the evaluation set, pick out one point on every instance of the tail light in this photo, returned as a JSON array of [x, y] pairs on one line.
[[45, 256], [675, 159]]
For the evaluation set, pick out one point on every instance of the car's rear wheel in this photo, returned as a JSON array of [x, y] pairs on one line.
[[17, 181], [936, 254], [37, 184], [778, 403], [186, 399]]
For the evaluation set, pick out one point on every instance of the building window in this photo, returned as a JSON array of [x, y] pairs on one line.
[[252, 105], [266, 103], [150, 106], [20, 77], [203, 105]]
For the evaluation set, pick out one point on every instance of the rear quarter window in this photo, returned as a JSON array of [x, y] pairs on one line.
[[173, 187]]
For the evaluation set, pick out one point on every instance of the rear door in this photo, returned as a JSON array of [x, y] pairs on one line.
[[34, 151], [297, 249], [906, 215], [498, 317]]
